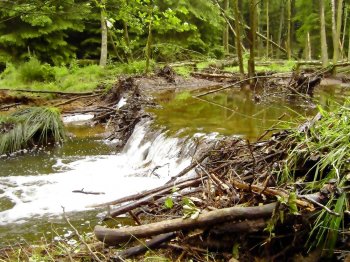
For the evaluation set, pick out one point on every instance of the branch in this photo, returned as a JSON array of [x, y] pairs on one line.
[[216, 217]]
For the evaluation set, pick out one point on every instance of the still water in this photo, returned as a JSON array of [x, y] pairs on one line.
[[236, 112], [35, 187]]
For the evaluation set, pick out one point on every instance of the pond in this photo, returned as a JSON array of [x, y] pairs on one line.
[[35, 187], [236, 112]]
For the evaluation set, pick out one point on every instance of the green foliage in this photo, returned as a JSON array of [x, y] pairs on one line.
[[29, 127], [41, 28], [184, 71], [169, 203], [326, 145], [33, 70], [189, 209]]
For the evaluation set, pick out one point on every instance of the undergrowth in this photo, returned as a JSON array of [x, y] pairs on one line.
[[30, 127], [319, 161], [72, 78]]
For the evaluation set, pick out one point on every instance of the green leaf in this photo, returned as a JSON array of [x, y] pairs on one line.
[[168, 203]]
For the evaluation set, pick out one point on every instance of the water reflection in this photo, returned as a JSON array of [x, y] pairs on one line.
[[236, 112]]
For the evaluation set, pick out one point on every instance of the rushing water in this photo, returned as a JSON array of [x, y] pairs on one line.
[[35, 187]]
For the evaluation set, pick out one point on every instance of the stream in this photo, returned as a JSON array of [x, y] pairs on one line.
[[34, 188]]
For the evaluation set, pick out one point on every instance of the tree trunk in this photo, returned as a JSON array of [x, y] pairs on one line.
[[127, 41], [336, 27], [252, 39], [344, 29], [349, 46], [280, 29], [267, 28], [238, 38], [104, 40], [289, 21], [149, 44], [225, 37], [324, 48], [309, 51]]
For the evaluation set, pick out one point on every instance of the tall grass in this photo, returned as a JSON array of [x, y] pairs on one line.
[[324, 149], [30, 127]]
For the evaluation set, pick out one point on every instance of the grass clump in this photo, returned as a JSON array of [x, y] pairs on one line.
[[29, 127], [34, 71], [319, 161]]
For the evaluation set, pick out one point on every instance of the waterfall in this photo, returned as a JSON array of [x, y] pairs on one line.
[[148, 160]]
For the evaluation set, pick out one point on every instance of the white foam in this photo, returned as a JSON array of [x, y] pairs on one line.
[[77, 118], [115, 175]]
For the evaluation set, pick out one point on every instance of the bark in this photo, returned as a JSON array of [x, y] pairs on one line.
[[336, 27], [267, 28], [349, 46], [127, 41], [116, 236], [238, 38], [324, 48], [252, 40], [339, 24], [149, 43], [345, 22], [309, 52], [104, 40], [289, 21], [279, 37], [225, 37]]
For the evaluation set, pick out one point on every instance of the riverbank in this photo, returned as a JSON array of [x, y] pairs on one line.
[[233, 173]]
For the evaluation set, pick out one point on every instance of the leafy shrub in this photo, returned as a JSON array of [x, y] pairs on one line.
[[33, 70]]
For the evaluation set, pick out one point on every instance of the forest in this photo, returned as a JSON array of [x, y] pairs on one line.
[[174, 130], [110, 31]]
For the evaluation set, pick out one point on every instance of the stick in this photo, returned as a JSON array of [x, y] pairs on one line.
[[320, 205], [140, 195], [87, 192], [73, 99], [270, 191], [9, 106], [140, 249], [231, 85], [50, 91], [120, 235], [131, 206]]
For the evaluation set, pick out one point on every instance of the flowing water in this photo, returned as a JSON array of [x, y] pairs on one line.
[[34, 188]]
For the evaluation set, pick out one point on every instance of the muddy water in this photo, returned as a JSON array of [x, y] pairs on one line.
[[239, 112], [35, 187]]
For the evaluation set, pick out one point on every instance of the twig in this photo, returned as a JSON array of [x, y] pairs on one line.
[[80, 237], [87, 192], [231, 85], [73, 99], [321, 205], [50, 91]]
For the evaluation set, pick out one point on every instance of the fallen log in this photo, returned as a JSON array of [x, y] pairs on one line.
[[117, 236], [7, 107], [50, 91], [143, 248]]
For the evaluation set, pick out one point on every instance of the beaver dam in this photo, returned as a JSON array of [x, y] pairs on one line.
[[184, 170]]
